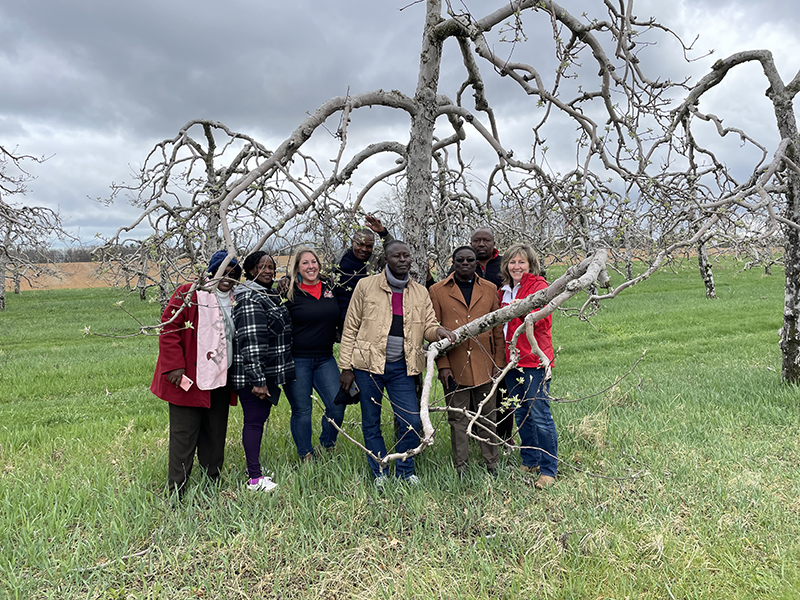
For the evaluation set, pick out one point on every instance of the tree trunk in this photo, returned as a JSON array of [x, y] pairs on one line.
[[164, 286], [419, 177], [705, 271], [626, 237], [214, 239], [142, 283], [3, 268], [790, 335], [17, 281]]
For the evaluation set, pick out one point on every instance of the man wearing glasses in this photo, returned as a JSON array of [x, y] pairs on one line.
[[466, 371]]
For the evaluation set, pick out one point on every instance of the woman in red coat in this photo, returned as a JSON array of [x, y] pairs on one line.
[[195, 382], [529, 382]]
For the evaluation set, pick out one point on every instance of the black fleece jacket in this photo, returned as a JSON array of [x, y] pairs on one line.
[[314, 322]]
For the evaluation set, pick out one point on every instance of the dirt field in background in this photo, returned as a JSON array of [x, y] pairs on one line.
[[85, 275], [73, 276]]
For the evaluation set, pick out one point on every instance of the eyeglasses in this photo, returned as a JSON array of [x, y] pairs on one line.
[[461, 260]]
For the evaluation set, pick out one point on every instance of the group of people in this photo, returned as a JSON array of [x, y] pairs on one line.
[[246, 341]]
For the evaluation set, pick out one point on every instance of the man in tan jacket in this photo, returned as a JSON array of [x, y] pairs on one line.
[[389, 317], [466, 371]]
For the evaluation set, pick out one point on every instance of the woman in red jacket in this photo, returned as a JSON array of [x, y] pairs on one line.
[[194, 353], [529, 382]]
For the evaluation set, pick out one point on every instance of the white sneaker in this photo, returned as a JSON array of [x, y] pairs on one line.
[[380, 481], [265, 484], [412, 480]]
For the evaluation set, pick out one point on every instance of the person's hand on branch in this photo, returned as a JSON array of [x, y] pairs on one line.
[[443, 333], [282, 285]]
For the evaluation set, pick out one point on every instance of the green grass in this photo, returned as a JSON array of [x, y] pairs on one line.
[[704, 426]]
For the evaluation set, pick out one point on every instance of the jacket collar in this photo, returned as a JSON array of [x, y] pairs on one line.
[[455, 292], [451, 280]]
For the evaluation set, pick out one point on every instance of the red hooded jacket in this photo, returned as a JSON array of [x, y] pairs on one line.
[[529, 284], [177, 349]]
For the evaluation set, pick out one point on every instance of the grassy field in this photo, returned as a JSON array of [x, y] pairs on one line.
[[681, 481]]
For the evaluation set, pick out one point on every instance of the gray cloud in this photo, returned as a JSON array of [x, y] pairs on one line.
[[97, 83]]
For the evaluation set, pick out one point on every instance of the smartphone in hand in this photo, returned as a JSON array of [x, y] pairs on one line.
[[186, 383]]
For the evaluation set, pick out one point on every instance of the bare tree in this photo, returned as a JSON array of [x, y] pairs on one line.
[[771, 190], [25, 231], [637, 183]]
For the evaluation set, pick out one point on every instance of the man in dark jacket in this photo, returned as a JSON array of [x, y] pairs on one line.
[[359, 261], [489, 258]]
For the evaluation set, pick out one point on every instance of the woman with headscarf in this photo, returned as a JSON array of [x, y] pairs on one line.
[[195, 350]]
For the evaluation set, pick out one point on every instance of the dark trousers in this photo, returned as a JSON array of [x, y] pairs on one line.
[[192, 428], [256, 414], [469, 399], [504, 416]]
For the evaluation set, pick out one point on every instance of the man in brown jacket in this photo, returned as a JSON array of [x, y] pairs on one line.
[[466, 371]]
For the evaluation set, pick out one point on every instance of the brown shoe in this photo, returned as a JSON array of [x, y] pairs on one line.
[[544, 482], [529, 470]]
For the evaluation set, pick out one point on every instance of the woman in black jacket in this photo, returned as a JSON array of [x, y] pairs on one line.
[[315, 319]]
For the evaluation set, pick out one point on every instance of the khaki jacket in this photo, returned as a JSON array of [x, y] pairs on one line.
[[369, 318], [473, 361]]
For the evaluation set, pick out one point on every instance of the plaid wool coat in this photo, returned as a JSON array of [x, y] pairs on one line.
[[262, 346]]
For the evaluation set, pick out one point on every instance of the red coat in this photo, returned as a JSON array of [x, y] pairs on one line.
[[529, 284], [177, 349]]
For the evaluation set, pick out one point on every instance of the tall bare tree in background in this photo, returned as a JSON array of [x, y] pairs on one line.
[[628, 174], [772, 189], [26, 232]]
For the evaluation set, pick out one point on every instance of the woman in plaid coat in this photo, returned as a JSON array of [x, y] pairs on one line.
[[262, 359]]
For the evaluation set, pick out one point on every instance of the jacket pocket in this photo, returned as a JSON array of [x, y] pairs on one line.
[[362, 355], [417, 313]]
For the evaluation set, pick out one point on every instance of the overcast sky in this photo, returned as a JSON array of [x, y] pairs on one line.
[[95, 84]]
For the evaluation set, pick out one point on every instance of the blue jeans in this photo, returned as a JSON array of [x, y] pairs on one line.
[[322, 375], [537, 430], [403, 398]]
